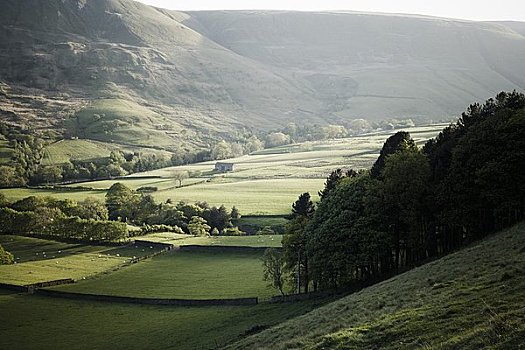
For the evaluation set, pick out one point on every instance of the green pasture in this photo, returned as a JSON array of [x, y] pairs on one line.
[[253, 224], [262, 221], [257, 197], [65, 150], [39, 260], [236, 241], [34, 322], [208, 274], [14, 194], [264, 183], [122, 121]]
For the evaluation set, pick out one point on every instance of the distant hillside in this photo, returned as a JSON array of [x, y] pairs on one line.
[[472, 299], [376, 66], [121, 71]]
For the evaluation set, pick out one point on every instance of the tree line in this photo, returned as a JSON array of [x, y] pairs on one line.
[[92, 220], [126, 205], [85, 221], [414, 203]]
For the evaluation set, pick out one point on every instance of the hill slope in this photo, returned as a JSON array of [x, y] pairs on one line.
[[471, 299], [131, 71], [373, 65]]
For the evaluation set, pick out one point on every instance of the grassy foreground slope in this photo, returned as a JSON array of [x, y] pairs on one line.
[[48, 323], [471, 299]]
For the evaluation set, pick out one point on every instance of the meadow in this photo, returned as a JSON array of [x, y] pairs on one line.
[[264, 183], [39, 260], [228, 241], [47, 323], [206, 274], [78, 149]]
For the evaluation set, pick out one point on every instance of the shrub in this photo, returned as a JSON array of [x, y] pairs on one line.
[[6, 258]]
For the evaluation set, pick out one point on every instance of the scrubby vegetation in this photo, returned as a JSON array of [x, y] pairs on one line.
[[6, 258]]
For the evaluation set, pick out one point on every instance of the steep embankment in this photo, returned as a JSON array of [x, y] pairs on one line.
[[471, 299]]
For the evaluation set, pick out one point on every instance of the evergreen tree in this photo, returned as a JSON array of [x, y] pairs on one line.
[[331, 182], [395, 143], [303, 206]]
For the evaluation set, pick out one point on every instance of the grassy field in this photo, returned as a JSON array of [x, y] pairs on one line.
[[265, 183], [41, 260], [267, 224], [47, 323], [472, 299], [239, 241], [64, 150], [185, 274], [122, 121]]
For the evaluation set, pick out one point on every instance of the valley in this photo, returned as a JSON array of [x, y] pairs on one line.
[[260, 179]]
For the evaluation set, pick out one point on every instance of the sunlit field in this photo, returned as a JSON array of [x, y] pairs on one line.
[[264, 183]]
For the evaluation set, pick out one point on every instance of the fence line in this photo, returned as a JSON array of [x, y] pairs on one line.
[[147, 301]]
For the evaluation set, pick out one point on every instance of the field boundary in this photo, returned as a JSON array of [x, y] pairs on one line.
[[31, 288], [147, 301], [220, 248]]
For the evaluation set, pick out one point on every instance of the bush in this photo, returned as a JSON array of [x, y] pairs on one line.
[[6, 258]]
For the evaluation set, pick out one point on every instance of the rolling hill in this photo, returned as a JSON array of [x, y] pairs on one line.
[[471, 299], [121, 71]]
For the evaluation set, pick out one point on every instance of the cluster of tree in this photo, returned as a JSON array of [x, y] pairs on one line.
[[27, 152], [117, 164], [90, 208], [300, 133], [414, 203], [123, 204], [61, 220], [6, 258], [220, 150]]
